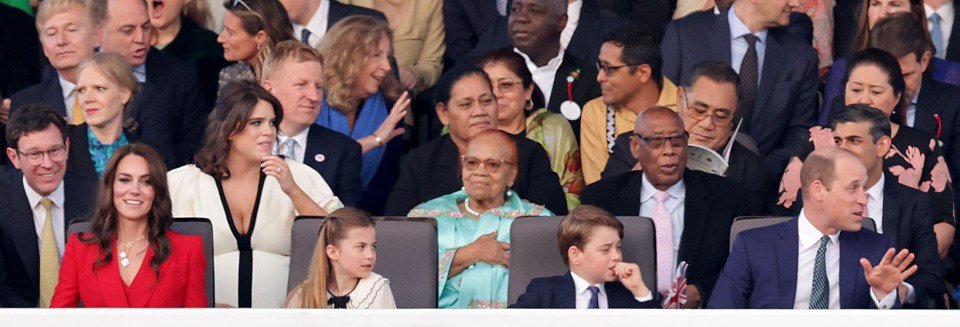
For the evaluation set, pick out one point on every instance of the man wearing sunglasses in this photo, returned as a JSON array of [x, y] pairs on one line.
[[40, 199], [708, 102], [692, 210]]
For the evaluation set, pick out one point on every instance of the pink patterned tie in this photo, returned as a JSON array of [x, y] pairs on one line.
[[664, 225]]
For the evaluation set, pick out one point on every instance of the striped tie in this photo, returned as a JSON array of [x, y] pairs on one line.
[[49, 263], [820, 295]]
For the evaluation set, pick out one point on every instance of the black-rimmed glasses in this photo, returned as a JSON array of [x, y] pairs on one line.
[[601, 67], [656, 142]]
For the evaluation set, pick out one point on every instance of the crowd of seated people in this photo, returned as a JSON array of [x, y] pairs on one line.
[[126, 117]]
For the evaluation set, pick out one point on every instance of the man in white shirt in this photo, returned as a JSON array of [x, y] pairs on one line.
[[40, 199], [941, 19], [799, 263], [312, 18], [901, 212], [294, 74]]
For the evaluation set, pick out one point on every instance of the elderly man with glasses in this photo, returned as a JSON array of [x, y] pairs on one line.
[[692, 210], [708, 104]]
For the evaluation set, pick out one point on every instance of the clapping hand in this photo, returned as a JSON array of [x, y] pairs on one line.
[[890, 272], [631, 278]]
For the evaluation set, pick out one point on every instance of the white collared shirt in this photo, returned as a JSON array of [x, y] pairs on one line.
[[739, 46], [875, 203], [544, 76], [675, 204], [947, 14], [69, 96], [299, 148], [317, 24], [573, 19], [40, 213], [809, 242], [912, 109]]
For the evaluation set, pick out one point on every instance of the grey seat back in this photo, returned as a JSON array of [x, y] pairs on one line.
[[534, 251], [189, 226], [406, 254], [750, 222]]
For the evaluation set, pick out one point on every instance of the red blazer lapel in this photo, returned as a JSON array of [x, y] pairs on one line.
[[145, 283], [111, 285]]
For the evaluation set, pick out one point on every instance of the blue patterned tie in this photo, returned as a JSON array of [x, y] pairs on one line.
[[936, 34], [290, 144], [594, 298], [305, 36], [820, 295]]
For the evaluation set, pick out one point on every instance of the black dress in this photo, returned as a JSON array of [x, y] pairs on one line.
[[198, 46], [934, 177]]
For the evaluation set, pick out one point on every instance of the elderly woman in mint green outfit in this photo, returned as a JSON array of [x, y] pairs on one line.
[[473, 224]]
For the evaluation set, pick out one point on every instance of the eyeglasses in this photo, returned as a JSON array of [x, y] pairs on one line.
[[492, 166], [57, 153], [607, 70], [657, 142], [721, 118], [234, 4], [506, 85]]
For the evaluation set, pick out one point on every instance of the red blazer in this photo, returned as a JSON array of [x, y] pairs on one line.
[[180, 282]]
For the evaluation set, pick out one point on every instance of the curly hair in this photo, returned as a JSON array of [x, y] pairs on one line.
[[348, 45], [159, 219], [262, 15]]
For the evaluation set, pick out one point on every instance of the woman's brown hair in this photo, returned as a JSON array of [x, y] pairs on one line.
[[268, 16], [234, 105], [861, 40], [347, 46], [313, 290], [159, 219]]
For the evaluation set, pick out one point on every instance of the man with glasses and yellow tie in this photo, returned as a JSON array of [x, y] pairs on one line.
[[39, 201], [708, 104]]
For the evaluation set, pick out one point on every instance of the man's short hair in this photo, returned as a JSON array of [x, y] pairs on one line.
[[33, 118], [577, 228], [900, 34], [716, 71], [857, 113], [639, 47], [290, 51], [96, 10], [821, 165]]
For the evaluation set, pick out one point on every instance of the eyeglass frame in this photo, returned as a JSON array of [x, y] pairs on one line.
[[686, 107], [514, 84], [607, 70], [483, 162], [241, 2], [683, 137], [38, 155]]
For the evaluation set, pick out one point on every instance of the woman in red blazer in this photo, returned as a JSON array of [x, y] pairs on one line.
[[132, 258]]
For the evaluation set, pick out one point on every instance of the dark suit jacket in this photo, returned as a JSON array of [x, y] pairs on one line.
[[465, 22], [651, 15], [337, 158], [593, 27], [198, 46], [179, 284], [787, 95], [433, 169], [711, 204], [182, 101], [953, 48], [558, 292], [585, 87], [19, 51], [340, 11], [48, 92], [907, 220], [19, 253], [761, 272], [80, 162], [746, 168]]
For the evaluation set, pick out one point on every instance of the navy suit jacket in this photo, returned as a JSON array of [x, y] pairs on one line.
[[711, 204], [182, 100], [465, 22], [787, 96], [19, 253], [558, 292], [337, 158], [953, 48], [761, 271]]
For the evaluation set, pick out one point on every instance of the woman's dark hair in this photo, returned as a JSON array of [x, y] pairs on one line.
[[234, 105], [889, 65], [268, 16], [859, 113], [861, 40], [639, 48], [515, 63], [104, 223], [445, 85]]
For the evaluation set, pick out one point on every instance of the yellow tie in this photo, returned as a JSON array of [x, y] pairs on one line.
[[49, 263], [77, 118]]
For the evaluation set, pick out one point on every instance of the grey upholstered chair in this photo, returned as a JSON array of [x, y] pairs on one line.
[[750, 222]]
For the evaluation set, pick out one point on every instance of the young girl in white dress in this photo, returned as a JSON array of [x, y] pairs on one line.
[[341, 273]]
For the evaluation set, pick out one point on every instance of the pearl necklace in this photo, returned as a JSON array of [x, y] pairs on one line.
[[124, 258], [466, 206]]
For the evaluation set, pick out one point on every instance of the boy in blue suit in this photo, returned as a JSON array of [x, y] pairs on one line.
[[589, 241]]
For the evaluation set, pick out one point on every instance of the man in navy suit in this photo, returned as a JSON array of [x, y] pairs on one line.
[[312, 18], [126, 31], [778, 108], [589, 241], [38, 149], [294, 74], [799, 263]]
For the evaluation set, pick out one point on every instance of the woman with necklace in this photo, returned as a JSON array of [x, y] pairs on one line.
[[132, 258], [473, 224]]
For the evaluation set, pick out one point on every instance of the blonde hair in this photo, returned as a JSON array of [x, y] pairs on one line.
[[313, 290], [289, 51], [116, 69], [347, 46], [48, 8]]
